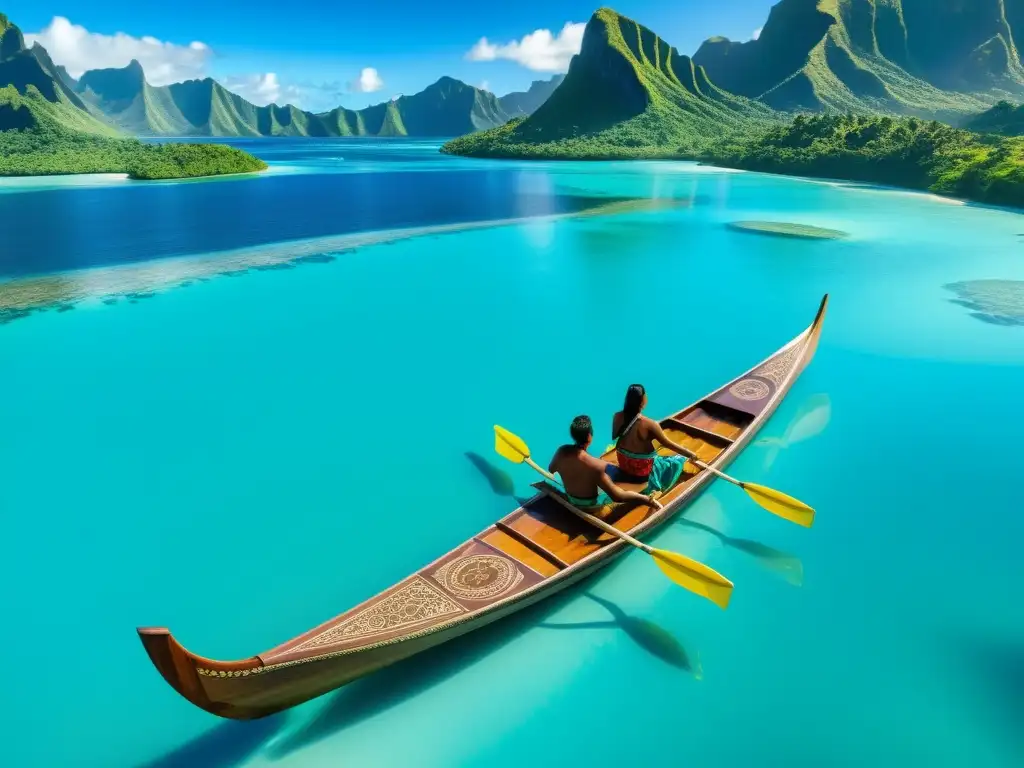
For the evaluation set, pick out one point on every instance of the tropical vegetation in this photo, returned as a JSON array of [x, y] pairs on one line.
[[1004, 118], [905, 152], [50, 150]]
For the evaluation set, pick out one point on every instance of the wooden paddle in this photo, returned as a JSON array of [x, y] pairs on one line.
[[776, 502], [684, 571]]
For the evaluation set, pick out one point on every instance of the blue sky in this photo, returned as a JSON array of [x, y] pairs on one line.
[[320, 56]]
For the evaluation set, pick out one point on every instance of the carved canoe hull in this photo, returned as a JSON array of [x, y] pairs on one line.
[[531, 554]]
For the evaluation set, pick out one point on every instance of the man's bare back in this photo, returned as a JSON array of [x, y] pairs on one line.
[[582, 475], [580, 472]]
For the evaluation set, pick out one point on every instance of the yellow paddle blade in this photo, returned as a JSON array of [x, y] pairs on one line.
[[694, 576], [510, 446], [780, 504]]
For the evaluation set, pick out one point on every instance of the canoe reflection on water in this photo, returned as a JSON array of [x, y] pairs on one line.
[[367, 697], [995, 666], [226, 746], [811, 419], [648, 635], [788, 566]]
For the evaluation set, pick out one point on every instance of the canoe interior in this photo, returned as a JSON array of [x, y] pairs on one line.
[[555, 539]]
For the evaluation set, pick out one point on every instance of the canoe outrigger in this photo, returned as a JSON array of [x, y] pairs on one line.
[[537, 550]]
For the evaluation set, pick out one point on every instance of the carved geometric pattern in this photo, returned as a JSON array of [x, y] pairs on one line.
[[778, 367], [751, 390], [478, 577], [230, 673], [414, 604]]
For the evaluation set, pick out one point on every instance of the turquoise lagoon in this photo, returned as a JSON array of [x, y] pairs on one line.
[[245, 457]]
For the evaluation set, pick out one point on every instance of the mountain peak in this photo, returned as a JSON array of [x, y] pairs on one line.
[[447, 82], [117, 84], [627, 92], [12, 42]]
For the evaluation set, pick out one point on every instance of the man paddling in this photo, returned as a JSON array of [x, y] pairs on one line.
[[634, 436], [584, 477]]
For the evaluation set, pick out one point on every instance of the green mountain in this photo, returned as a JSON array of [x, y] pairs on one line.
[[925, 57], [627, 93], [206, 108], [33, 93], [525, 103], [45, 128]]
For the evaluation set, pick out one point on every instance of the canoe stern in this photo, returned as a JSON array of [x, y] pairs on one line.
[[181, 671]]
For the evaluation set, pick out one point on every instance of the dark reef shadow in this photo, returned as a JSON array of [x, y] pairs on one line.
[[10, 315], [1006, 322], [224, 746]]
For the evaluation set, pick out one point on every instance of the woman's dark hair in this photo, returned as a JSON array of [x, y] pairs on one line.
[[581, 429], [634, 401]]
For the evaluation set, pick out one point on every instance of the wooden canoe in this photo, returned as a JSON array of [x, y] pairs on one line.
[[530, 554]]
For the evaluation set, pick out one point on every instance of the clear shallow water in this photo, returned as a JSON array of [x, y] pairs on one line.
[[188, 461]]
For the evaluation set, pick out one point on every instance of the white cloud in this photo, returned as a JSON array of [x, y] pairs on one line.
[[396, 97], [757, 33], [78, 49], [540, 50], [263, 89], [369, 81], [484, 85]]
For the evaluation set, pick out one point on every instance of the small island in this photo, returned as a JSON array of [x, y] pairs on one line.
[[786, 229], [54, 152]]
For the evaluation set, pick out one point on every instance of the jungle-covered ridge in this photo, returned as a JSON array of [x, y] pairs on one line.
[[860, 89], [52, 123], [46, 128]]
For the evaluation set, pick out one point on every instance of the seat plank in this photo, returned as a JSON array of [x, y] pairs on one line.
[[519, 551], [702, 419], [694, 431], [533, 545]]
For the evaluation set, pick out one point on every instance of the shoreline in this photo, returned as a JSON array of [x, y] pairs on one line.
[[125, 176]]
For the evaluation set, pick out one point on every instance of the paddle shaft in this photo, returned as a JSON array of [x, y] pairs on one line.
[[580, 513], [540, 469], [714, 471], [597, 522]]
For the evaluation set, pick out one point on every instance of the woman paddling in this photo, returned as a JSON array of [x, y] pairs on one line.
[[634, 436]]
